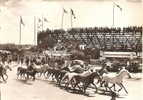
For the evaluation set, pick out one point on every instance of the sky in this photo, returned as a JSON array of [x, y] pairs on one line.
[[89, 13]]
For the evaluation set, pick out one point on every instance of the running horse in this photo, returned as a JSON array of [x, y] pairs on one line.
[[3, 72], [118, 79], [25, 73], [86, 80]]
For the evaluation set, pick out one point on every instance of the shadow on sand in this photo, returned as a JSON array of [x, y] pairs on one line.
[[108, 93], [74, 91], [23, 81]]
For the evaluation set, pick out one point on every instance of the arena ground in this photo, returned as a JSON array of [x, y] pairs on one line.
[[42, 89]]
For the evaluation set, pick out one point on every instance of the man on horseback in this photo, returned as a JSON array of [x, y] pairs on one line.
[[31, 71], [31, 66]]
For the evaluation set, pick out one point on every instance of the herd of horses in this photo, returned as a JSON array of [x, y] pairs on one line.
[[72, 80]]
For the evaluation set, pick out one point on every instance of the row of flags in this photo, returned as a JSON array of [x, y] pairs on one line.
[[66, 12], [43, 19], [39, 23]]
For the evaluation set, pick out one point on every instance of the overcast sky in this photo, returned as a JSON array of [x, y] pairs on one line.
[[89, 13]]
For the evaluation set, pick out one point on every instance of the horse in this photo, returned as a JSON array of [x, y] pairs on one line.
[[41, 69], [3, 72], [31, 73], [68, 76], [85, 80], [76, 69], [118, 79], [24, 72], [21, 72]]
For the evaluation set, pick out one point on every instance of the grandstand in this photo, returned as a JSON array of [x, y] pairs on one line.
[[128, 39]]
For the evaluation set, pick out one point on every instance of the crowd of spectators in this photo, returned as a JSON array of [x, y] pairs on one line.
[[50, 37]]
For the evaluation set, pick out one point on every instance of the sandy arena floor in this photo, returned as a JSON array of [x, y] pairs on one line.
[[42, 89]]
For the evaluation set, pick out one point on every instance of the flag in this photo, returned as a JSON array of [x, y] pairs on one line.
[[72, 13], [46, 20], [21, 21], [65, 11], [39, 20], [118, 6]]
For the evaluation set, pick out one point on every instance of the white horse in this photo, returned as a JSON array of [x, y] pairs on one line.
[[118, 79], [69, 75]]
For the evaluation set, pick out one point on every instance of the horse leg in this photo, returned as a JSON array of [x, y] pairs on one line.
[[21, 75], [67, 85], [27, 76], [48, 75], [76, 84], [120, 87], [113, 86], [107, 87], [18, 74], [3, 78], [64, 78], [6, 76], [124, 88], [101, 83], [95, 87], [33, 77], [44, 74], [40, 74], [80, 88], [52, 77], [84, 89]]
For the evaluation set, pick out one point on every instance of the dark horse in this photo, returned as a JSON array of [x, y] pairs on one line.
[[24, 72], [3, 72], [85, 80]]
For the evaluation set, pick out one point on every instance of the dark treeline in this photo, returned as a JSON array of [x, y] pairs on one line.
[[13, 47]]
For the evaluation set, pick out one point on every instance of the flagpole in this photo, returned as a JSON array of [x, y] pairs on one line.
[[113, 14], [34, 30], [20, 31], [42, 23], [62, 20], [71, 20]]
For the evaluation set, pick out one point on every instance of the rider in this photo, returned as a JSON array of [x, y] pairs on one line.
[[31, 66]]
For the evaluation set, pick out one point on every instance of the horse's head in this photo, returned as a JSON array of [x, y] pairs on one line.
[[102, 71]]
